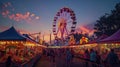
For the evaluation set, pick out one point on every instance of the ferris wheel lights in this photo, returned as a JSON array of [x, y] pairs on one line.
[[65, 9], [55, 17], [54, 20], [61, 19], [57, 14], [54, 31], [74, 22], [54, 25], [72, 30], [72, 14], [72, 27], [71, 11], [68, 11], [61, 10]]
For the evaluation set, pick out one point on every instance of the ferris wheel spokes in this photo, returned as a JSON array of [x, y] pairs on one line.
[[64, 18]]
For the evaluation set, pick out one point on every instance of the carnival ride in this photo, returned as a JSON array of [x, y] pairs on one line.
[[35, 36], [64, 23]]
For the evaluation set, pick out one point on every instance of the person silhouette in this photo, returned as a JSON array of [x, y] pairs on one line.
[[112, 59], [8, 61]]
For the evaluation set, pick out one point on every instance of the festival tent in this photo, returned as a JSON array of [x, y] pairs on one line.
[[113, 38], [31, 39], [111, 42], [103, 36], [21, 48], [11, 34], [12, 37]]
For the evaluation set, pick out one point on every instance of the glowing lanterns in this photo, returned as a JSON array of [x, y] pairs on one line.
[[29, 44], [72, 40], [2, 42], [83, 40]]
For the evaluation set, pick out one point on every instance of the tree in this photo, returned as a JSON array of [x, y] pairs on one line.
[[108, 23]]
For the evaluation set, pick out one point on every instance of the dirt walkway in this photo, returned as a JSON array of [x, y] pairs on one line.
[[59, 62]]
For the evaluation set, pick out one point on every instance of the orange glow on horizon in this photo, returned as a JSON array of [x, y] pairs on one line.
[[47, 37], [84, 30]]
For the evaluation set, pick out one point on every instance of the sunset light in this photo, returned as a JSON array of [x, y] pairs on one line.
[[59, 33]]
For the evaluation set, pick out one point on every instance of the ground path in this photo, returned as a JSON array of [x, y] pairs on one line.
[[60, 62]]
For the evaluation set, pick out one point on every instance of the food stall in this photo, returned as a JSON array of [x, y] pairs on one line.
[[111, 42], [21, 48]]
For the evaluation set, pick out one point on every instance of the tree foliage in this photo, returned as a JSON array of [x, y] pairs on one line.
[[108, 23]]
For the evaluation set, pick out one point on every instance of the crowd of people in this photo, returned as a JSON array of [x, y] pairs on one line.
[[61, 53], [18, 56], [90, 56], [94, 57]]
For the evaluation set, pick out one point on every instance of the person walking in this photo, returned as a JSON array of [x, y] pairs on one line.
[[93, 57], [8, 61], [86, 57], [98, 59], [68, 57], [52, 56], [112, 59]]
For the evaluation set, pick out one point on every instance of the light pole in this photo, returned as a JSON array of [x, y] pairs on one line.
[[43, 37], [50, 37]]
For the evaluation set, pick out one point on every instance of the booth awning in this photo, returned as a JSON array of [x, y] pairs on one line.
[[11, 34], [103, 36], [113, 38]]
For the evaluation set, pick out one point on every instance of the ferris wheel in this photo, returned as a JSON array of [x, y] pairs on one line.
[[64, 22]]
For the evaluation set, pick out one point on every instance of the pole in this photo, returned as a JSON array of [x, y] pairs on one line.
[[39, 37], [50, 38], [43, 37]]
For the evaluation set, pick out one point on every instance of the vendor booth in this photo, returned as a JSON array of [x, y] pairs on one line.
[[21, 48], [112, 41]]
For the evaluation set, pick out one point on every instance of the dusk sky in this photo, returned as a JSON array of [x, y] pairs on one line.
[[37, 15]]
